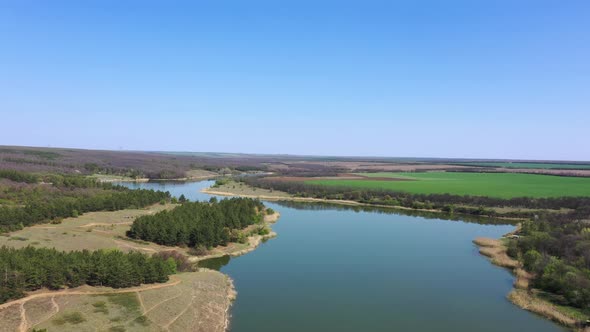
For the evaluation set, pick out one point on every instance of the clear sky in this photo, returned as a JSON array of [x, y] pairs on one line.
[[473, 78]]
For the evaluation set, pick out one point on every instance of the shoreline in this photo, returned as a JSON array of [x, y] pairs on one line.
[[493, 249], [253, 241], [228, 293], [230, 297], [340, 202], [521, 295]]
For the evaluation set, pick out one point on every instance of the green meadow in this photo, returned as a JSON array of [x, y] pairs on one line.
[[529, 165], [503, 185]]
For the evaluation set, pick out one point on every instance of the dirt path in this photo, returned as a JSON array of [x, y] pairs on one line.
[[24, 323], [127, 245], [173, 282], [194, 295], [106, 224]]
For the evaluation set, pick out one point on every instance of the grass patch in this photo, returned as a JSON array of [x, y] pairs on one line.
[[142, 320], [118, 328], [72, 318], [101, 306], [126, 300], [530, 165], [17, 238], [501, 185]]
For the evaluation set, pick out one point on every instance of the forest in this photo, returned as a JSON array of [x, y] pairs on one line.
[[198, 224], [30, 268], [556, 250], [24, 201], [132, 164]]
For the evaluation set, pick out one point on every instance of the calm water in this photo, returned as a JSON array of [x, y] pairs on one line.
[[336, 269]]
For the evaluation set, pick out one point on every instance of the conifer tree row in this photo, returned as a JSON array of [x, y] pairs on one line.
[[29, 269], [198, 223]]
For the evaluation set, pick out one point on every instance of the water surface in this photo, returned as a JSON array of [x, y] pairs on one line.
[[339, 269]]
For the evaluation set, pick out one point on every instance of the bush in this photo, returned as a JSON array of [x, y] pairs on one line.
[[199, 250], [531, 260]]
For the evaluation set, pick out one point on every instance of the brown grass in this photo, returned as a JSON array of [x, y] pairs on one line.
[[496, 251], [523, 278], [195, 301], [528, 301]]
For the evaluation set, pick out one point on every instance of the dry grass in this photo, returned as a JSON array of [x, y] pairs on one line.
[[199, 302], [93, 230], [195, 174], [523, 278], [527, 301], [241, 189], [496, 251]]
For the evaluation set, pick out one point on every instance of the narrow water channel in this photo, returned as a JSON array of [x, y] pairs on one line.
[[340, 269]]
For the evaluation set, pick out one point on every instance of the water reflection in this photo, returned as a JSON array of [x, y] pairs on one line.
[[317, 206]]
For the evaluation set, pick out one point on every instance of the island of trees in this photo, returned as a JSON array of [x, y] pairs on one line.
[[198, 224]]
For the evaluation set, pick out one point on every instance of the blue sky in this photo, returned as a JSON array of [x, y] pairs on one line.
[[479, 79]]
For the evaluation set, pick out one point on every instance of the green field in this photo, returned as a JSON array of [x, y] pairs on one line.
[[503, 185], [529, 165]]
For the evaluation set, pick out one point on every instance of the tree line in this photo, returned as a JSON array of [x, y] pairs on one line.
[[29, 201], [37, 211], [197, 224], [556, 250], [474, 205], [29, 269]]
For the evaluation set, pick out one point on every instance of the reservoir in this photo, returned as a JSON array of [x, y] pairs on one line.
[[335, 268]]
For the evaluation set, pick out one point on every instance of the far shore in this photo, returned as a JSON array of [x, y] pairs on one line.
[[287, 197], [143, 180]]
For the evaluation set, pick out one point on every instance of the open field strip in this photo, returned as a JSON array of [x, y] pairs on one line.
[[528, 165], [501, 185]]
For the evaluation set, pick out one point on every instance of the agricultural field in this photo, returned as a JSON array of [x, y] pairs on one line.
[[502, 185], [187, 298], [527, 165]]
